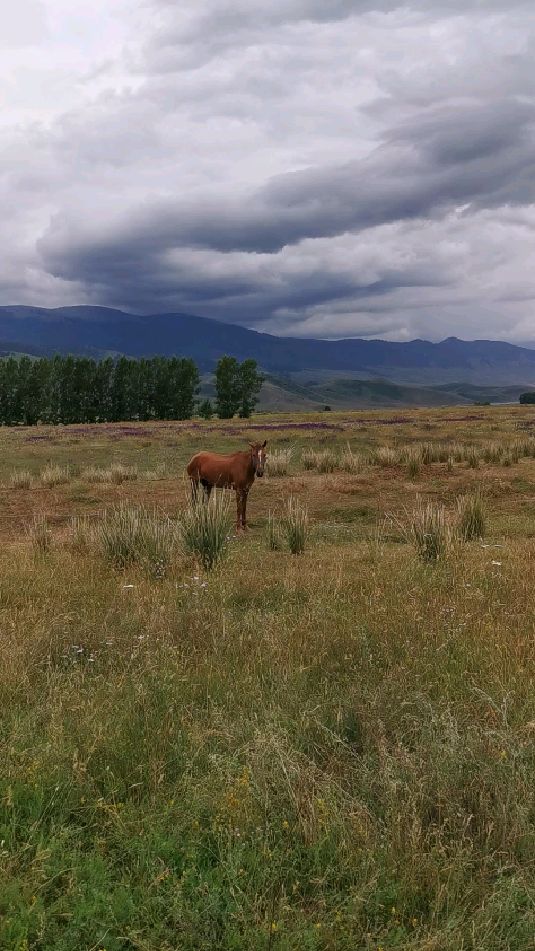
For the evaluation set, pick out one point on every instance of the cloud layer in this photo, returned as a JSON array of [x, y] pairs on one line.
[[362, 167]]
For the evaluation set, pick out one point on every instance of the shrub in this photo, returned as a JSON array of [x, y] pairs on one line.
[[295, 524], [470, 523], [21, 479], [278, 462], [54, 475], [205, 529], [430, 530]]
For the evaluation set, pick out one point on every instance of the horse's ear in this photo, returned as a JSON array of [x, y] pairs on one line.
[[252, 445], [264, 444]]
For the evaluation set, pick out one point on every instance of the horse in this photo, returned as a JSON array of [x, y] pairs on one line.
[[236, 471]]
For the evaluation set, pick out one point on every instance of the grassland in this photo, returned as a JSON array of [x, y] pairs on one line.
[[334, 750]]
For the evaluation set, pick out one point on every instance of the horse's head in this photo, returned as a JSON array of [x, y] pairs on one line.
[[258, 455]]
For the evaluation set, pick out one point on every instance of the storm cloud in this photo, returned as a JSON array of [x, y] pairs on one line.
[[342, 169]]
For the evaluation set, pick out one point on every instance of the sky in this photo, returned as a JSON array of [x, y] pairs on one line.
[[327, 168]]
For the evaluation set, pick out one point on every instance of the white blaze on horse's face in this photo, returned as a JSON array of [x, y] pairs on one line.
[[259, 459]]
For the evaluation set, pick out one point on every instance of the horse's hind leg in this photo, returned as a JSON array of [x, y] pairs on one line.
[[194, 491], [207, 489]]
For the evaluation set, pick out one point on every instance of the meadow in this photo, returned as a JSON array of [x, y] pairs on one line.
[[328, 751]]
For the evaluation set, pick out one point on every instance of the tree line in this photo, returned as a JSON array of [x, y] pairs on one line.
[[81, 390]]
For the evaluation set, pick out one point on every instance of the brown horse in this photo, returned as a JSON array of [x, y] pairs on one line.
[[237, 471]]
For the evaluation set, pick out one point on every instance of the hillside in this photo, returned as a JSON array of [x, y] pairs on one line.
[[99, 331]]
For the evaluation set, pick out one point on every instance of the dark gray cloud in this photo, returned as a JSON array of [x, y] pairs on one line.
[[342, 168]]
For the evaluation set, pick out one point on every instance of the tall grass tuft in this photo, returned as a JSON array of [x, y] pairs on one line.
[[430, 530], [350, 461], [414, 461], [470, 520], [325, 460], [473, 457], [274, 540], [20, 479], [81, 534], [53, 475], [386, 456], [328, 461], [278, 462], [132, 535], [40, 535], [491, 452], [295, 523], [118, 473], [309, 459], [205, 529], [94, 474]]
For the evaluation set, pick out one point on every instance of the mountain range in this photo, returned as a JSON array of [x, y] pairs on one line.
[[342, 372]]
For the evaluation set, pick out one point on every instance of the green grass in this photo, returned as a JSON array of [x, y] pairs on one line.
[[328, 752]]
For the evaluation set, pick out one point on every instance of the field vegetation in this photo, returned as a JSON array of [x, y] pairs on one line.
[[322, 738]]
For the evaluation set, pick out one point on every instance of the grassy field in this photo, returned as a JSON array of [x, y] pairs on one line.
[[334, 750]]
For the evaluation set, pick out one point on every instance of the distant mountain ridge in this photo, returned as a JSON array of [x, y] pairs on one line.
[[98, 331]]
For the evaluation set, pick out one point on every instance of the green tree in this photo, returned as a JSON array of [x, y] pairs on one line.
[[184, 380], [228, 387], [528, 397], [250, 384], [205, 409]]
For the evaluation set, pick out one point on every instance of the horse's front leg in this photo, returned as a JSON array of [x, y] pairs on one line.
[[238, 511], [244, 509]]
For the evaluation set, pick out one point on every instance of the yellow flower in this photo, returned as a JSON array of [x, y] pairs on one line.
[[285, 824], [274, 926]]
